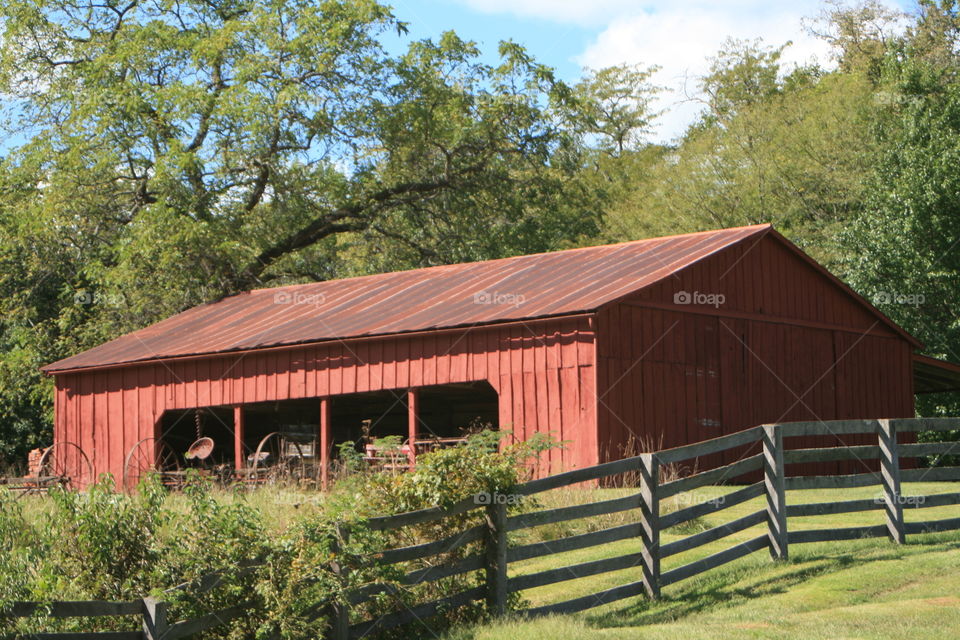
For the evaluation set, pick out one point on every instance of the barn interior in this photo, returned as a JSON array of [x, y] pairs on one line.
[[179, 429], [443, 412]]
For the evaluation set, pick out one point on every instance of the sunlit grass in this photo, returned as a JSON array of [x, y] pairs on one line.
[[856, 589]]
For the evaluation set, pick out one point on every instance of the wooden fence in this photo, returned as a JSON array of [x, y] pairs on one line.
[[497, 555], [494, 554], [150, 612]]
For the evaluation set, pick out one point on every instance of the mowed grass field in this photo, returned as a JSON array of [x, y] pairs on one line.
[[855, 589]]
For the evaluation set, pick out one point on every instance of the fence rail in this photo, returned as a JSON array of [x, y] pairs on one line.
[[485, 548], [497, 556], [150, 612]]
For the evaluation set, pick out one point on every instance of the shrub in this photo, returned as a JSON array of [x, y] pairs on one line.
[[103, 545]]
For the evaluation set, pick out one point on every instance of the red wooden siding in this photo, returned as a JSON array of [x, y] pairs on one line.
[[786, 344], [543, 372]]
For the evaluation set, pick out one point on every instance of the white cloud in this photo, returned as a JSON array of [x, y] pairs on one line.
[[679, 36], [681, 39]]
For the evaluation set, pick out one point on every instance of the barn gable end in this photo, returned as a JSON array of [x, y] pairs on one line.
[[753, 334]]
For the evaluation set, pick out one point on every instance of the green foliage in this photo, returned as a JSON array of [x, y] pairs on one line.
[[903, 250], [161, 155], [113, 550], [103, 545], [350, 458], [785, 146]]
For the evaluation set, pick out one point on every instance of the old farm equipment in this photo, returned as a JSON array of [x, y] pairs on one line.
[[62, 464], [152, 455], [66, 464], [288, 456], [200, 449]]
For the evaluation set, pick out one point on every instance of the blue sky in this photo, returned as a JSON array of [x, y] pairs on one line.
[[679, 35]]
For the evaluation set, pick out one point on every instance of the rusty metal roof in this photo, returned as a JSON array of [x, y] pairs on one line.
[[475, 293]]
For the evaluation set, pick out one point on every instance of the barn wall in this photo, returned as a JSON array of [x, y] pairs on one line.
[[785, 344], [543, 372]]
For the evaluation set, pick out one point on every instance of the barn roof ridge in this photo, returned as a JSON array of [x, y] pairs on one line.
[[443, 297], [757, 227]]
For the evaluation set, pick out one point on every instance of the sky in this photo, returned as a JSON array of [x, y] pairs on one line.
[[679, 36]]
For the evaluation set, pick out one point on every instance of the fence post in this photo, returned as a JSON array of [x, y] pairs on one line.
[[340, 627], [774, 480], [890, 476], [650, 522], [496, 553], [154, 619]]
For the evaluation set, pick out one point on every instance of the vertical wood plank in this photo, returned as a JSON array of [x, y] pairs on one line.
[[890, 475], [154, 619], [650, 522], [496, 552], [774, 481], [340, 627]]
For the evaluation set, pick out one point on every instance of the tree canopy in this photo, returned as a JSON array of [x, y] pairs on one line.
[[161, 154]]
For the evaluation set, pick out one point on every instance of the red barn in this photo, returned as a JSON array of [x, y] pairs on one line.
[[662, 342]]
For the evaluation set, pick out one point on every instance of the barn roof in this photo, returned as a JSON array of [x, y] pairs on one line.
[[521, 288]]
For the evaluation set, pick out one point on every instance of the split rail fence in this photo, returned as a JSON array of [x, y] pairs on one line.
[[497, 555], [493, 554]]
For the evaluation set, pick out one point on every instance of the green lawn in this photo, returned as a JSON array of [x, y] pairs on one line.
[[856, 589]]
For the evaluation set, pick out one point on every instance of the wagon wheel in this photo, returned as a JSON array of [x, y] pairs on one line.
[[151, 454], [65, 463], [271, 462]]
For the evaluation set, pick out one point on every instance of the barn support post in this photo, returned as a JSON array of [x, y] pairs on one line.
[[890, 476], [650, 522], [774, 480], [238, 428], [324, 443], [154, 619], [413, 418]]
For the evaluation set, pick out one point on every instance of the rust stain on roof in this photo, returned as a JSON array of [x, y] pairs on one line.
[[469, 294]]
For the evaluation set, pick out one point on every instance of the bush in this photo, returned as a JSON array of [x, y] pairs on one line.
[[103, 545]]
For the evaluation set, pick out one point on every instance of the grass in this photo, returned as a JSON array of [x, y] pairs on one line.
[[855, 589]]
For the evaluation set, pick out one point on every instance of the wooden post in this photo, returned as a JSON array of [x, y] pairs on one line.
[[890, 476], [154, 619], [325, 443], [413, 417], [340, 627], [774, 480], [238, 458], [650, 522], [496, 552]]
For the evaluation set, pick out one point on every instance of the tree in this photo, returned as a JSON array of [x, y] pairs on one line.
[[786, 146], [614, 107], [904, 251], [860, 33], [162, 154]]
